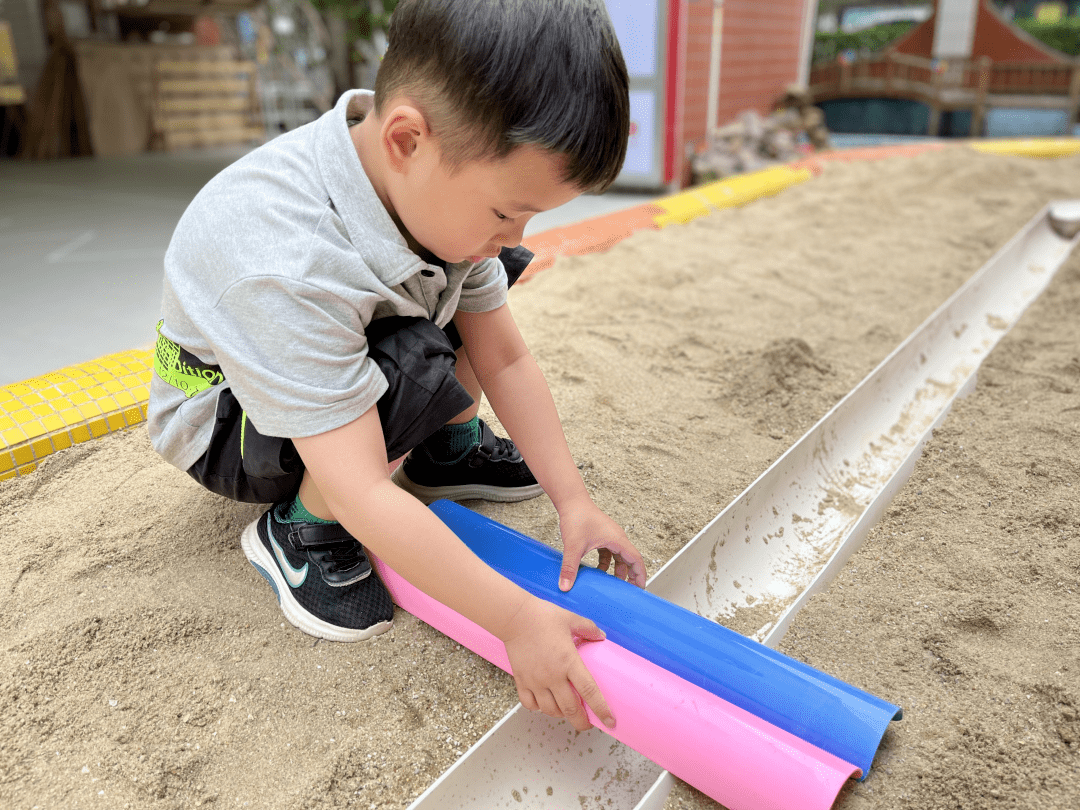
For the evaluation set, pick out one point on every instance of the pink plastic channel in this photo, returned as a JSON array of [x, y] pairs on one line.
[[729, 754]]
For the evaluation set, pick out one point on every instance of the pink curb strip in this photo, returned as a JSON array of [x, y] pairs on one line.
[[731, 755]]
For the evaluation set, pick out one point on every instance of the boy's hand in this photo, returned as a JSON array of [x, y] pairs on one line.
[[584, 528], [547, 668]]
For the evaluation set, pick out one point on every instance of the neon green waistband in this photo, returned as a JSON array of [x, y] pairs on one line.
[[181, 369]]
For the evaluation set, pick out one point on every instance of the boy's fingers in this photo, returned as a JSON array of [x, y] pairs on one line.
[[568, 572], [548, 704], [622, 570], [605, 559], [578, 718], [586, 687], [582, 679], [543, 701], [570, 706], [636, 566], [528, 700], [586, 630]]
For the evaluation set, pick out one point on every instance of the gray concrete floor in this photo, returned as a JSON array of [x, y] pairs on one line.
[[82, 243]]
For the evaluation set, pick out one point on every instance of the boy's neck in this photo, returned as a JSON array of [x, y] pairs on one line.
[[365, 138]]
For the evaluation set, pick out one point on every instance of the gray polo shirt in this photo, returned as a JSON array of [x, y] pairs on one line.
[[274, 271]]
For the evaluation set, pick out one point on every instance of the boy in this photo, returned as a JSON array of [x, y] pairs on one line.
[[333, 300]]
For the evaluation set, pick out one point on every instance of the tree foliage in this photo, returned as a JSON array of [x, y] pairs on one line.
[[1063, 36], [362, 17], [828, 46]]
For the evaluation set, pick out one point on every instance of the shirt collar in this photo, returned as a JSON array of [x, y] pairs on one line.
[[370, 228]]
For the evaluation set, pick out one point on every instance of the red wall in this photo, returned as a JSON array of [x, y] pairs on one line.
[[759, 57], [760, 53], [696, 70], [919, 41]]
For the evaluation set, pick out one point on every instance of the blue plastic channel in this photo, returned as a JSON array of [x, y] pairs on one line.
[[825, 711]]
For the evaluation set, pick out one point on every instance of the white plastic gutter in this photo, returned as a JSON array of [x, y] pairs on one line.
[[786, 536]]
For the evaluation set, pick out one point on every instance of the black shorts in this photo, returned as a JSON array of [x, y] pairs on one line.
[[418, 360]]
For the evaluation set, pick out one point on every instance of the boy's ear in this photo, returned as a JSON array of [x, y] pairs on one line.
[[404, 130]]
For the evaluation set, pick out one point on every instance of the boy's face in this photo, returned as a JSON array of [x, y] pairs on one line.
[[478, 209]]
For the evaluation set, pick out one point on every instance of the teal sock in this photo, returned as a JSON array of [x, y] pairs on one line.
[[451, 442], [296, 512]]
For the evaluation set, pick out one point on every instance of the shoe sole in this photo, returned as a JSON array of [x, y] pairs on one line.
[[298, 617], [464, 492]]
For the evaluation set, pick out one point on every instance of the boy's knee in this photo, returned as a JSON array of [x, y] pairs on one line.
[[423, 392], [244, 465]]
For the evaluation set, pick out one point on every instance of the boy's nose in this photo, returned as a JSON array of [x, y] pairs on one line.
[[511, 237]]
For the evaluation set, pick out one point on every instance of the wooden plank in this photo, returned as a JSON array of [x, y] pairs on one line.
[[11, 94], [978, 113], [194, 104], [9, 67], [205, 102], [204, 122], [193, 86], [180, 140], [206, 66], [912, 61], [189, 8]]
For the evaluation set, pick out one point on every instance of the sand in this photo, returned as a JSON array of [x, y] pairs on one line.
[[145, 663]]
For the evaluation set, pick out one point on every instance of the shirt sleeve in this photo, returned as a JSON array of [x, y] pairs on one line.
[[484, 289], [295, 355]]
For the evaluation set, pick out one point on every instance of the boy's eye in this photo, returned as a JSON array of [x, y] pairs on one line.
[[500, 216]]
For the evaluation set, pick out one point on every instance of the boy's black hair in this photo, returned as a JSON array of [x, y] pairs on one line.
[[490, 75]]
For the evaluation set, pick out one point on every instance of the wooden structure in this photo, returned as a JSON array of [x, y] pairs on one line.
[[966, 56], [203, 102], [978, 84], [11, 91], [97, 91], [117, 80], [12, 94], [58, 124]]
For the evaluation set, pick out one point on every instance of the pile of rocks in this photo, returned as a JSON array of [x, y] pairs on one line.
[[753, 142]]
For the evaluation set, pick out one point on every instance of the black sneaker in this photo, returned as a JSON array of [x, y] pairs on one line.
[[492, 471], [321, 577]]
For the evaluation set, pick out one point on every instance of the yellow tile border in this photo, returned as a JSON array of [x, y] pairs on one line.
[[1029, 147], [728, 193], [46, 414]]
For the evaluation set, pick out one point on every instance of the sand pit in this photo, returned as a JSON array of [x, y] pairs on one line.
[[145, 662]]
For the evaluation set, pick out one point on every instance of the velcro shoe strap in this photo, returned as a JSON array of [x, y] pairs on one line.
[[486, 448], [308, 535], [493, 448]]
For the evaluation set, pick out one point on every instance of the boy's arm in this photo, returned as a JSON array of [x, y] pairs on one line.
[[520, 397], [348, 466]]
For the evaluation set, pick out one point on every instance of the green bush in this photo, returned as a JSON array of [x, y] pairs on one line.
[[1064, 35], [828, 46]]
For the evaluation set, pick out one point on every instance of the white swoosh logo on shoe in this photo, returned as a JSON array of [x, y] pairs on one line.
[[294, 576]]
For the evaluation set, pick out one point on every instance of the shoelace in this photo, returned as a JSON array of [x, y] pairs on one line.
[[504, 449], [340, 556]]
